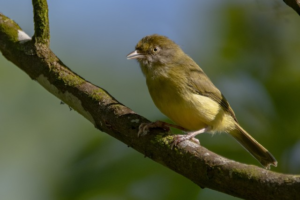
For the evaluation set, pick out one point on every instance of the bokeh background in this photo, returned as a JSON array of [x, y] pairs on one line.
[[249, 48]]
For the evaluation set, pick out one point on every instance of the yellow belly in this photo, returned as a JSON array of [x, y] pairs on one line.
[[189, 110]]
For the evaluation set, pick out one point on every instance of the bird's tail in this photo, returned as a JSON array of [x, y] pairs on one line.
[[251, 145]]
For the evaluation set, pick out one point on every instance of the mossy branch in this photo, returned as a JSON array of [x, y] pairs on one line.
[[196, 163], [41, 22]]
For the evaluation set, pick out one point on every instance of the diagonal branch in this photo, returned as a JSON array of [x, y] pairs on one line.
[[196, 163]]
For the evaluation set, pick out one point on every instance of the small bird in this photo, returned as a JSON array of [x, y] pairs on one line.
[[183, 92]]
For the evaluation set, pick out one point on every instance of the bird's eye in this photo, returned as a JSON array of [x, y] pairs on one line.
[[155, 49]]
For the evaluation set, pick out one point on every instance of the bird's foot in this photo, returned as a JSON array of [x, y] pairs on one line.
[[189, 136], [145, 127], [180, 138]]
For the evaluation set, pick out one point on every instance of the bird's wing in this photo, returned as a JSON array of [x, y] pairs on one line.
[[200, 84]]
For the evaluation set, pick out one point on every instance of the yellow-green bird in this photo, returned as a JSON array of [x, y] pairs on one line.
[[183, 92]]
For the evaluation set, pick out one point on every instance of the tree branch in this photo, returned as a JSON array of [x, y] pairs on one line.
[[295, 4], [41, 22], [196, 163]]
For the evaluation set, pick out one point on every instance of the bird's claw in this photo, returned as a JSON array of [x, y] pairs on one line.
[[143, 129], [180, 138]]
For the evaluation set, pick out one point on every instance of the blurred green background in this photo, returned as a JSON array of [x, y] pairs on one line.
[[250, 49]]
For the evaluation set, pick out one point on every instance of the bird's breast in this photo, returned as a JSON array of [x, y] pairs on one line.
[[173, 99], [187, 109]]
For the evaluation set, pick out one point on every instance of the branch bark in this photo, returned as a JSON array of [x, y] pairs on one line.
[[294, 4], [41, 22], [196, 163]]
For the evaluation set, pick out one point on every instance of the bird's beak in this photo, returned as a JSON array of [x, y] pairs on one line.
[[134, 55]]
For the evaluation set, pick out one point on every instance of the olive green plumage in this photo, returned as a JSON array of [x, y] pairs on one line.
[[183, 92]]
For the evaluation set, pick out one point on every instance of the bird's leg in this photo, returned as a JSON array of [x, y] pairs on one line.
[[144, 127], [189, 136]]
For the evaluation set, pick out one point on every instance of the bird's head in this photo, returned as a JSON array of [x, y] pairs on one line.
[[156, 49]]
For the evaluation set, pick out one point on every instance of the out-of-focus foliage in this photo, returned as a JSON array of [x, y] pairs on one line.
[[249, 49]]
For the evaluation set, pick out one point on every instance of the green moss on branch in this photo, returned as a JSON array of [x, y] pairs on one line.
[[41, 22]]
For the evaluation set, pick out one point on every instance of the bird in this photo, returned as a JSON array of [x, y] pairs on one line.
[[182, 91]]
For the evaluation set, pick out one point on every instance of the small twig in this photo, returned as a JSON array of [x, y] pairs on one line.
[[41, 22], [295, 4]]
